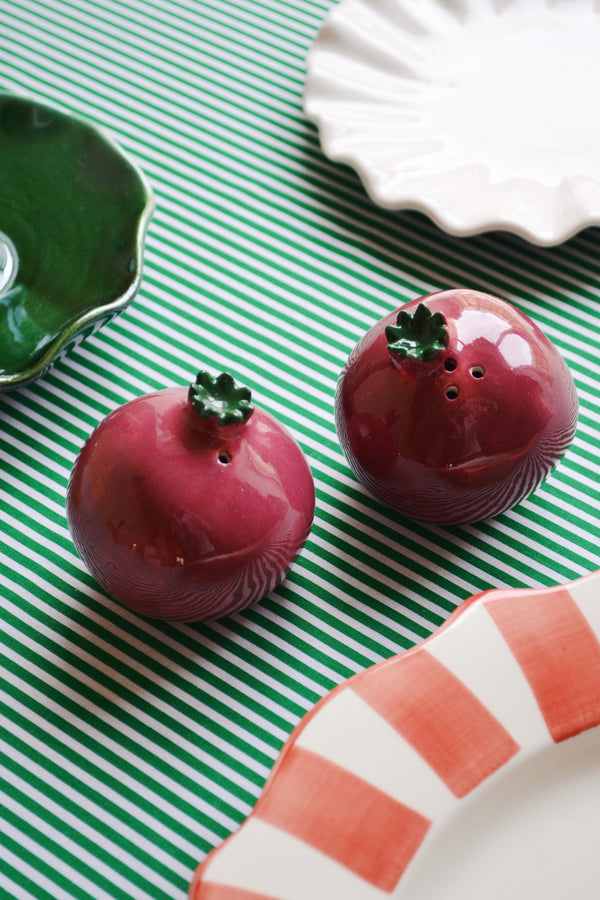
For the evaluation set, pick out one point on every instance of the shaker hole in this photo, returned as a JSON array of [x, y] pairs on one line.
[[477, 371], [224, 457], [450, 364], [452, 392]]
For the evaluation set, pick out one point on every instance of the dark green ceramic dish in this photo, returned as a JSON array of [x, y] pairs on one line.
[[73, 218]]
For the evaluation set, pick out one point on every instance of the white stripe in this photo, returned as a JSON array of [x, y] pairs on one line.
[[157, 115], [160, 636], [310, 425], [551, 575], [79, 823], [217, 743], [341, 337], [141, 786], [49, 484], [264, 859], [348, 732], [20, 424], [71, 872], [270, 683], [252, 349], [239, 713], [326, 275], [336, 592], [546, 550], [56, 417], [392, 583], [175, 41], [369, 592], [212, 762], [293, 651], [67, 763], [280, 20], [25, 869], [261, 613], [254, 629], [475, 651], [586, 594], [190, 13], [12, 889], [523, 556]]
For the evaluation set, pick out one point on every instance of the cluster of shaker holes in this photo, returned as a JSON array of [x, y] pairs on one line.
[[450, 365]]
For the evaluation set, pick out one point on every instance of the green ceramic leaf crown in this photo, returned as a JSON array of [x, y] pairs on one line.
[[220, 397], [73, 218], [421, 335]]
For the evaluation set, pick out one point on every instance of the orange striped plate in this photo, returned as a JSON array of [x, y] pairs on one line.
[[465, 767]]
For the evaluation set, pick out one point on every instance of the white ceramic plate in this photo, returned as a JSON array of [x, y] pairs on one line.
[[465, 769], [480, 113]]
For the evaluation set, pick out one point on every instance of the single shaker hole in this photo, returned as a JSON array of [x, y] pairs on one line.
[[452, 392], [477, 371], [224, 457], [450, 364]]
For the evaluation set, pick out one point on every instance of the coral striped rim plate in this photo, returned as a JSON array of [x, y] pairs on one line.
[[465, 767], [472, 111]]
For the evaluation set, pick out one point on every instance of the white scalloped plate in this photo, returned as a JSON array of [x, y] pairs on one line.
[[479, 113]]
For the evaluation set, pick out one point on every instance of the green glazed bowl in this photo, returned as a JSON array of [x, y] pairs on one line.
[[73, 218]]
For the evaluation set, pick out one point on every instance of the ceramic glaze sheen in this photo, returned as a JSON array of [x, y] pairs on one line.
[[467, 434], [73, 217], [178, 517]]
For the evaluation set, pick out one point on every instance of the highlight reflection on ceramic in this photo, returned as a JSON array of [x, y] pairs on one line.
[[73, 217], [475, 113]]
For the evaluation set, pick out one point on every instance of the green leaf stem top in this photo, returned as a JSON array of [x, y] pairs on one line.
[[220, 397], [420, 335]]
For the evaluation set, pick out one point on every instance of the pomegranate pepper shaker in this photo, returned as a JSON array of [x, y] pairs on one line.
[[454, 408], [189, 504]]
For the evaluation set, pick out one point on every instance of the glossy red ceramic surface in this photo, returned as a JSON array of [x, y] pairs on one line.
[[181, 518], [468, 434]]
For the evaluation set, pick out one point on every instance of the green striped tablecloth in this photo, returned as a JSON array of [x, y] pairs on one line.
[[129, 748]]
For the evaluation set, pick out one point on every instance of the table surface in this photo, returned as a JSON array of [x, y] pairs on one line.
[[128, 747]]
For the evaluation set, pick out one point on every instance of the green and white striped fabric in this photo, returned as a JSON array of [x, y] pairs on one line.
[[129, 748]]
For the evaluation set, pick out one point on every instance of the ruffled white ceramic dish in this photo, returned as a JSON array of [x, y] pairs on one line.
[[479, 113]]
